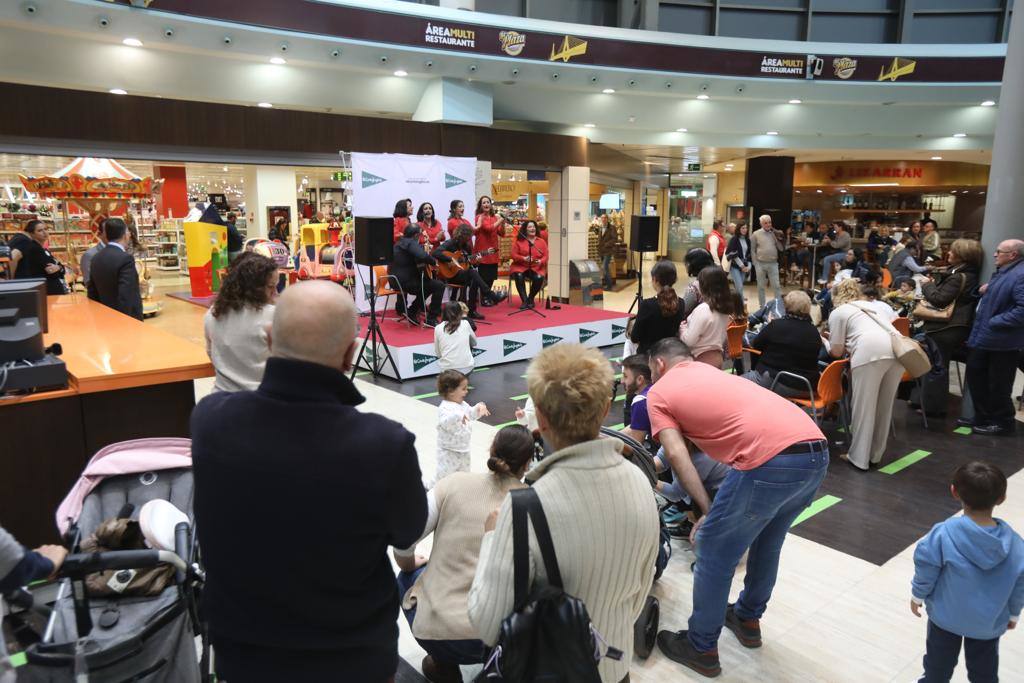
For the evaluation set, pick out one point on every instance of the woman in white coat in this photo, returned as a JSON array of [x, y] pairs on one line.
[[857, 330]]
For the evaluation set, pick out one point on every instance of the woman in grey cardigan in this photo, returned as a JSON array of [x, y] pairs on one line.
[[606, 545]]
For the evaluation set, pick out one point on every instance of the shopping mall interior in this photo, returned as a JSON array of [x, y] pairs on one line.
[[235, 237]]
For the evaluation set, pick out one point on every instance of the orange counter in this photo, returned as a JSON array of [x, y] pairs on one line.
[[105, 350], [126, 380]]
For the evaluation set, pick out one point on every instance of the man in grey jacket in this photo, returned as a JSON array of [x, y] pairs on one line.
[[766, 244]]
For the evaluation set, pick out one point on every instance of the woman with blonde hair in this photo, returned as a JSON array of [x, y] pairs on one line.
[[857, 330]]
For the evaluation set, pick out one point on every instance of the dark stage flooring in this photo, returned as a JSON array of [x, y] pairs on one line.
[[872, 516]]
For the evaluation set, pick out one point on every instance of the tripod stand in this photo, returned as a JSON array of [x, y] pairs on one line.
[[639, 286], [375, 339], [531, 309]]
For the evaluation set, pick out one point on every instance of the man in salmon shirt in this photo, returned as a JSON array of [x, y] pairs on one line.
[[489, 226], [778, 456]]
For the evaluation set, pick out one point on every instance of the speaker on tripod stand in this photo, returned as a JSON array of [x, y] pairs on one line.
[[643, 238], [374, 246]]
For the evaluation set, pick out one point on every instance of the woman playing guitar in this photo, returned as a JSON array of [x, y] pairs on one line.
[[431, 232], [529, 262], [458, 251], [489, 226], [403, 209]]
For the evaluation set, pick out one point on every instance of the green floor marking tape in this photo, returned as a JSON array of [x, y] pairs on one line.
[[19, 660], [520, 397], [823, 503], [618, 426], [506, 424], [620, 398], [730, 370], [965, 431], [617, 358], [422, 396], [904, 462], [480, 369], [618, 376], [364, 372]]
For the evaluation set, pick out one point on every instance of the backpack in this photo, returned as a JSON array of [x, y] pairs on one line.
[[549, 636]]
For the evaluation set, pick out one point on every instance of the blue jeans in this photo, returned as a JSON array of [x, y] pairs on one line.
[[826, 264], [753, 509], [980, 656], [606, 268], [445, 651], [738, 278]]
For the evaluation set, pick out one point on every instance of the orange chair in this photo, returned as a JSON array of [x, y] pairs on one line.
[[902, 326], [886, 277], [830, 390], [734, 334], [383, 289]]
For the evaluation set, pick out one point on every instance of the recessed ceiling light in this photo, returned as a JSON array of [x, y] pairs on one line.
[[132, 42], [224, 168], [772, 132], [680, 130], [609, 91], [959, 135], [936, 158], [277, 60], [796, 101], [118, 91], [818, 191], [703, 97], [265, 105], [952, 191], [798, 191], [401, 73], [588, 125], [988, 103]]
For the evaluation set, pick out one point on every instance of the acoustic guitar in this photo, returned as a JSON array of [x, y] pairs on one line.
[[459, 262]]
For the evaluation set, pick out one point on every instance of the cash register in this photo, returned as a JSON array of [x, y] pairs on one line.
[[25, 363]]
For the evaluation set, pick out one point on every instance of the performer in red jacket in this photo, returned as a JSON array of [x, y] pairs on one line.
[[529, 262], [489, 226], [431, 231], [403, 209]]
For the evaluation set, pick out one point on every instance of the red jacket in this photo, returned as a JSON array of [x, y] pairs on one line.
[[487, 238], [521, 251], [432, 234], [400, 226], [721, 244]]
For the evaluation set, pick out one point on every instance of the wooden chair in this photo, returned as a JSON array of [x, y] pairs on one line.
[[830, 391]]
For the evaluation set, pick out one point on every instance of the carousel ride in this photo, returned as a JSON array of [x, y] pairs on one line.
[[101, 188]]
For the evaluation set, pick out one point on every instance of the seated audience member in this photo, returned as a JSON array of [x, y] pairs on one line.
[[880, 244], [902, 299], [659, 316], [237, 325], [636, 376], [454, 339], [969, 574], [876, 304], [931, 245], [955, 285], [902, 263], [435, 593], [840, 242], [792, 344], [607, 560], [342, 493], [704, 330], [764, 438]]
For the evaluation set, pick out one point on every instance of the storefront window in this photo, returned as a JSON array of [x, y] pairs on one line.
[[686, 212]]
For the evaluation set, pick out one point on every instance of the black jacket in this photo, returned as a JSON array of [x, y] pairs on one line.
[[295, 528], [960, 285], [651, 326], [114, 282], [451, 245], [409, 254], [734, 252], [234, 238], [791, 344]]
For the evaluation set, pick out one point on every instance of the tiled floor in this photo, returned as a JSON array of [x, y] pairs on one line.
[[835, 617]]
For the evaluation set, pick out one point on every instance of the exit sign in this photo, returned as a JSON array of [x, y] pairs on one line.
[[693, 168]]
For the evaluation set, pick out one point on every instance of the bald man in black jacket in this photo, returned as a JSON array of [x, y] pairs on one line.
[[113, 280]]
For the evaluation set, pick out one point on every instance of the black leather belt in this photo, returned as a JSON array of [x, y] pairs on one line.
[[806, 447]]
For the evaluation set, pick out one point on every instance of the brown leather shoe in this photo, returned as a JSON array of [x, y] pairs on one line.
[[440, 672]]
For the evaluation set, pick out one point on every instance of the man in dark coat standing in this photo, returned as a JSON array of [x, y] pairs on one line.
[[113, 280], [295, 531]]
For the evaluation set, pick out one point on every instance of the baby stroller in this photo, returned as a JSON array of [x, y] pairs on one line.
[[120, 638]]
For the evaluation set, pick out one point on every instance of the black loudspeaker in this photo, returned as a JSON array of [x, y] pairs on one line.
[[374, 241], [644, 233], [770, 189]]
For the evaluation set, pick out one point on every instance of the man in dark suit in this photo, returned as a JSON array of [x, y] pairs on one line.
[[325, 608], [113, 280]]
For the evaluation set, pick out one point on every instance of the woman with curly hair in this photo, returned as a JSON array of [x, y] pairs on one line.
[[237, 324]]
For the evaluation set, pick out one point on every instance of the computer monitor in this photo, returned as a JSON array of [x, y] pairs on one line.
[[28, 296]]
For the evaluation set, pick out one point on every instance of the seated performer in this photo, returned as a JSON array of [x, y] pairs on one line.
[[407, 267], [467, 277], [529, 262]]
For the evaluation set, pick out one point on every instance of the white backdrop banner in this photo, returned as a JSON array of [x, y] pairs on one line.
[[379, 181]]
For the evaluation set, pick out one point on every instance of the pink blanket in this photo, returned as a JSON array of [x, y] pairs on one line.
[[127, 457]]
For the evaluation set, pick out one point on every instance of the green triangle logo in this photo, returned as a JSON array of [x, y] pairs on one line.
[[617, 330], [549, 340], [369, 180], [451, 181], [586, 334], [510, 346], [421, 360], [478, 351]]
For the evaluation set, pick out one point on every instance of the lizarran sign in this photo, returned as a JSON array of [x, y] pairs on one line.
[[671, 56]]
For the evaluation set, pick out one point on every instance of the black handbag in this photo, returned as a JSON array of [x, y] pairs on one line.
[[549, 636]]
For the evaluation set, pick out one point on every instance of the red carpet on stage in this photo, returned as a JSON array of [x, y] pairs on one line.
[[500, 322]]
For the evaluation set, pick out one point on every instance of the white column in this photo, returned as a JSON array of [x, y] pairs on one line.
[[483, 184], [568, 217], [269, 186]]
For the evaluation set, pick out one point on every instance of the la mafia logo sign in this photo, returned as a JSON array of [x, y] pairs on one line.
[[421, 360], [510, 346], [369, 180]]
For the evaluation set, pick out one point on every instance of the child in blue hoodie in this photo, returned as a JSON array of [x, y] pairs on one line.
[[969, 573]]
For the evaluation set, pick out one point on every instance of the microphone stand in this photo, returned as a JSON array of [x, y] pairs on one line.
[[532, 309]]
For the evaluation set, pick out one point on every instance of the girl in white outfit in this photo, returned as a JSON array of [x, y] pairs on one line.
[[454, 340], [454, 424]]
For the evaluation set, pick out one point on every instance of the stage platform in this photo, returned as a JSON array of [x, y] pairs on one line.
[[507, 339]]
